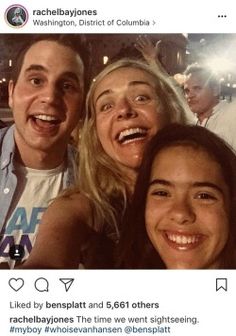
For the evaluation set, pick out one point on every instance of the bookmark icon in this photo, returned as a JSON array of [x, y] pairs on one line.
[[221, 284]]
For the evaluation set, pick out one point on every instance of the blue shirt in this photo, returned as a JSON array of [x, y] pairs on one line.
[[8, 178]]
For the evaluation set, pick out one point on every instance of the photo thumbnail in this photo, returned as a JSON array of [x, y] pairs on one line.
[[16, 16]]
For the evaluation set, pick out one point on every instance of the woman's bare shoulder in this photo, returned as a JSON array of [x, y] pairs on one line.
[[75, 205]]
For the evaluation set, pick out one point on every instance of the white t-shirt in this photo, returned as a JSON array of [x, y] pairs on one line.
[[35, 190], [222, 122]]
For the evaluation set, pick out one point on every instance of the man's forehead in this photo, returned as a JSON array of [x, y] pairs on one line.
[[196, 77], [44, 52], [44, 47]]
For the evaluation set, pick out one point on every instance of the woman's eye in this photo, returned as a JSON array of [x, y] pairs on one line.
[[141, 99], [105, 107]]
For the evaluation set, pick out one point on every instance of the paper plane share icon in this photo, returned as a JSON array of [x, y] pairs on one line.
[[67, 282]]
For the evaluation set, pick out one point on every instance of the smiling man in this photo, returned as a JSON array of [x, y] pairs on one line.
[[36, 162]]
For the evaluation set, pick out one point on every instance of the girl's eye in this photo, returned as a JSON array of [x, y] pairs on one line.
[[160, 193]]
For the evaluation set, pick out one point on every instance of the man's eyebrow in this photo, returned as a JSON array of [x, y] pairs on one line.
[[72, 75], [37, 67], [68, 74], [139, 82], [132, 83]]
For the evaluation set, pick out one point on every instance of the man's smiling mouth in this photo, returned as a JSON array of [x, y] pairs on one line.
[[45, 124], [46, 118]]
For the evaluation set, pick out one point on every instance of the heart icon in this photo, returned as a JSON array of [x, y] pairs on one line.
[[16, 284]]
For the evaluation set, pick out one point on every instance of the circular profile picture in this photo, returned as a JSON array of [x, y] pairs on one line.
[[16, 16]]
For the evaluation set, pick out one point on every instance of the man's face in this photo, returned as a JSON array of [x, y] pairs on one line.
[[47, 97], [200, 97]]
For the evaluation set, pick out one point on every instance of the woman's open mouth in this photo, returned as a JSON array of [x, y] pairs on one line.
[[131, 135]]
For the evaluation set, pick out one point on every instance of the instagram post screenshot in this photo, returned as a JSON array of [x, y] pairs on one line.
[[117, 168]]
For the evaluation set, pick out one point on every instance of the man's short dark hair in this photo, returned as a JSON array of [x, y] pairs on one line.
[[73, 41]]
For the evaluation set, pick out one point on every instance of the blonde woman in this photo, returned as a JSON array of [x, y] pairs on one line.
[[127, 104]]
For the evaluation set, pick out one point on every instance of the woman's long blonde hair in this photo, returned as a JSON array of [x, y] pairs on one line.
[[99, 177]]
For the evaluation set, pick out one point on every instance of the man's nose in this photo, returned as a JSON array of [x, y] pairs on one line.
[[190, 94], [182, 212], [50, 94], [125, 110]]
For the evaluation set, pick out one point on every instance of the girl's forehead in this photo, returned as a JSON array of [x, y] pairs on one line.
[[198, 160]]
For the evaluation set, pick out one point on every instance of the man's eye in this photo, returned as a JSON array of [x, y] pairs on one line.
[[205, 196], [36, 81], [68, 86], [198, 88]]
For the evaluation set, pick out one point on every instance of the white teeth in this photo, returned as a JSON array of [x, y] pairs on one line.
[[131, 131], [178, 239], [181, 239], [185, 240], [45, 117]]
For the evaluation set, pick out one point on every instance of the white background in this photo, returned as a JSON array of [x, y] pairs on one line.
[[170, 16], [179, 293]]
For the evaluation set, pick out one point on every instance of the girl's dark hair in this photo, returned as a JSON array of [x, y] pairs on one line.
[[135, 249]]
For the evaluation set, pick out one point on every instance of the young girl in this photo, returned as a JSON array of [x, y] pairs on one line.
[[183, 210]]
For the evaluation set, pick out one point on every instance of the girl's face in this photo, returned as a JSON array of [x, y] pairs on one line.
[[128, 115], [187, 208]]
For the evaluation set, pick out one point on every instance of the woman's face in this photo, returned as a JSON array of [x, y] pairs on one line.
[[128, 114], [187, 208]]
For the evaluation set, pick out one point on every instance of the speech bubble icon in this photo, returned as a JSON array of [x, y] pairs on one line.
[[41, 285], [221, 283]]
